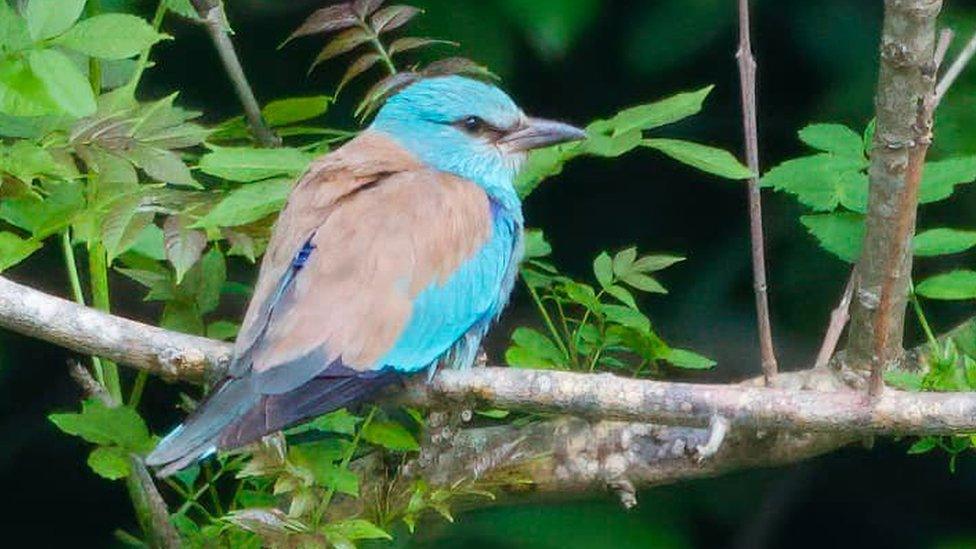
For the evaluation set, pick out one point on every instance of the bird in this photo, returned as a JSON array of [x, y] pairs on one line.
[[393, 255]]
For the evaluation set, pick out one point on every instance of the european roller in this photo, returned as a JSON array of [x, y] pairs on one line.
[[393, 255]]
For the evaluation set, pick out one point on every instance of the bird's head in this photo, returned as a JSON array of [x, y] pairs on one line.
[[468, 128]]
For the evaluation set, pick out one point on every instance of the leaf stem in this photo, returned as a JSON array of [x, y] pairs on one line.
[[374, 39], [98, 273], [546, 318], [71, 265], [143, 62], [135, 397], [922, 320], [344, 464]]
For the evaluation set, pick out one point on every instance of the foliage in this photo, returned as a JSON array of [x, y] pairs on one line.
[[142, 188]]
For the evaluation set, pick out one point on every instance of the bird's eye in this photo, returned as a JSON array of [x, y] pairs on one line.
[[473, 124]]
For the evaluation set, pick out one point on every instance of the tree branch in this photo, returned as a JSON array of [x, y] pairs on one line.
[[822, 403], [212, 14], [747, 80]]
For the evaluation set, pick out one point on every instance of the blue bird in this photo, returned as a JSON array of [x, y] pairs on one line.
[[393, 254]]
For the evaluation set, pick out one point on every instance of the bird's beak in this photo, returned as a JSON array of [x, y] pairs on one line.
[[536, 133]]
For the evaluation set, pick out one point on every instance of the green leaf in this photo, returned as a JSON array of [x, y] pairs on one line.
[[14, 249], [960, 284], [839, 233], [223, 329], [207, 278], [248, 203], [535, 244], [390, 435], [295, 109], [247, 164], [533, 349], [99, 424], [653, 115], [21, 92], [356, 529], [109, 462], [906, 381], [943, 242], [122, 224], [643, 282], [707, 159], [924, 445], [820, 181], [339, 421], [622, 294], [689, 360], [150, 243], [582, 294], [623, 261], [13, 30], [541, 163], [603, 269], [653, 263], [627, 316], [939, 178], [182, 316], [47, 18], [833, 138], [183, 8], [45, 217], [111, 36], [62, 80]]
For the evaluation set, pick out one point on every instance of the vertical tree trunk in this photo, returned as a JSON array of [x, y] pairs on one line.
[[906, 77]]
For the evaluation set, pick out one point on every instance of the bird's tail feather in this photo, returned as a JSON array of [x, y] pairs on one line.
[[198, 436]]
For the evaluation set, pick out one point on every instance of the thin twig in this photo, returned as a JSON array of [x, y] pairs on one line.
[[838, 319], [212, 14], [954, 70], [905, 221], [747, 80]]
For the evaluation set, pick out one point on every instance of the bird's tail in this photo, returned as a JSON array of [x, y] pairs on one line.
[[199, 435]]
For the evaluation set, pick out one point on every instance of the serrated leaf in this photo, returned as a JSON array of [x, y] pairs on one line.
[[14, 249], [603, 269], [705, 158], [689, 360], [534, 350], [47, 18], [943, 242], [643, 283], [833, 138], [346, 41], [939, 178], [819, 181], [295, 109], [627, 316], [162, 165], [653, 263], [122, 224], [390, 435], [365, 7], [62, 81], [328, 19], [184, 246], [99, 424], [408, 43], [582, 294], [247, 203], [393, 17], [359, 66], [653, 115], [356, 529], [111, 36], [954, 285], [246, 164], [840, 233], [623, 261], [622, 294], [109, 462]]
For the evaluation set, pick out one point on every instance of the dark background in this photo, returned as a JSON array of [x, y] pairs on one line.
[[579, 60]]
